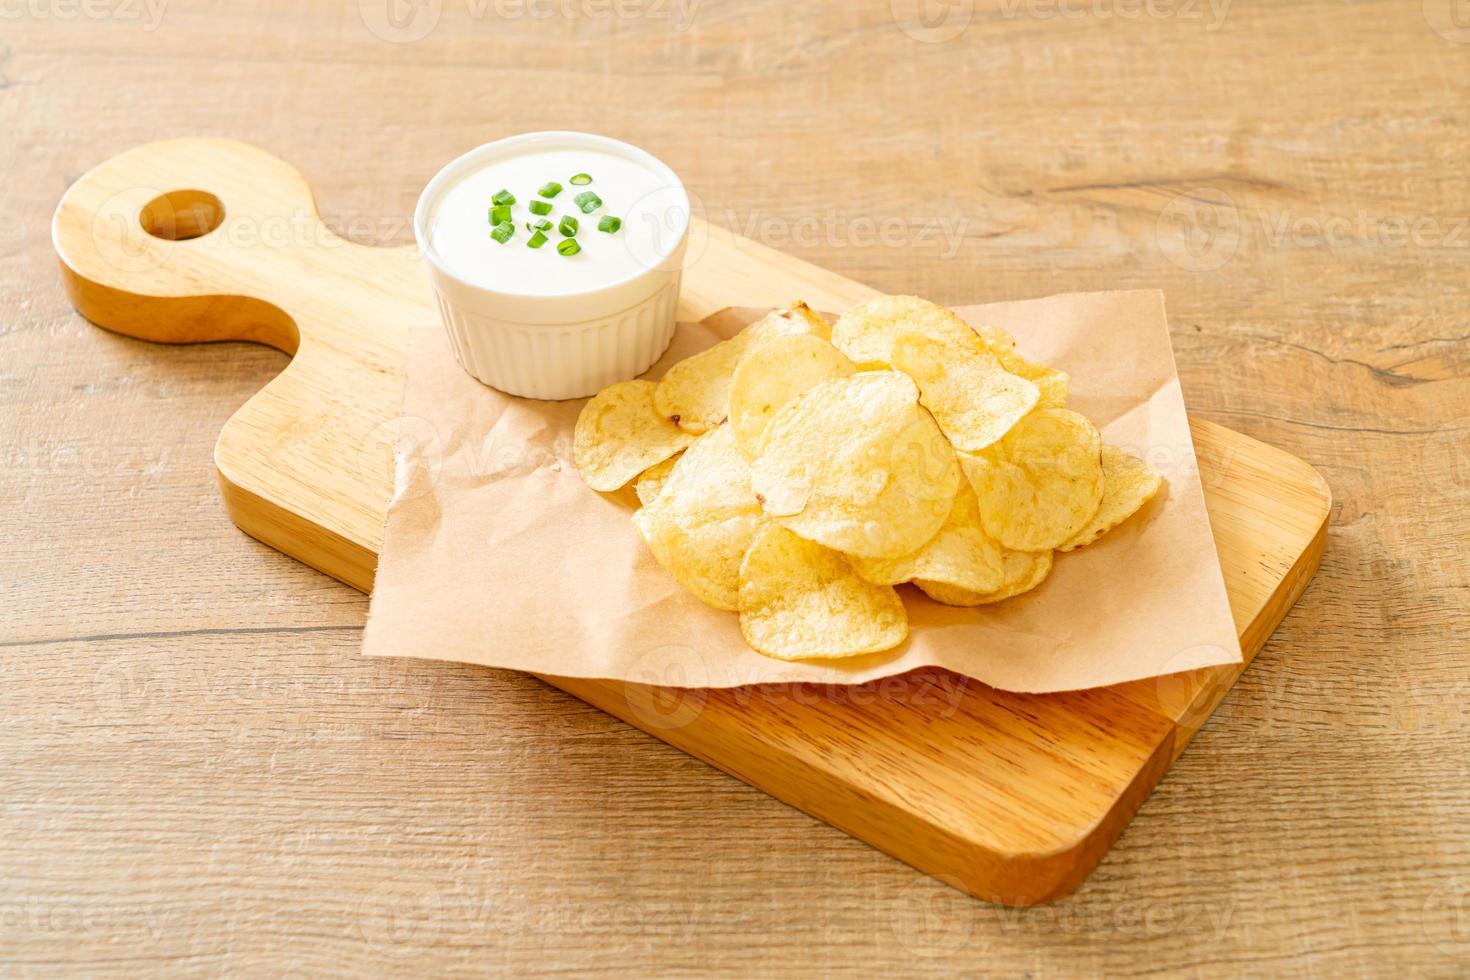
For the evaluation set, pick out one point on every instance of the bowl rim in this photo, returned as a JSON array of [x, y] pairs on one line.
[[471, 160]]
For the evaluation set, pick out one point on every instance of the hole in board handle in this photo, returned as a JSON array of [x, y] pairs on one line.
[[181, 215]]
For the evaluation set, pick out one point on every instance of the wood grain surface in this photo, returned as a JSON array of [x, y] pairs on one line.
[[200, 775], [1012, 798]]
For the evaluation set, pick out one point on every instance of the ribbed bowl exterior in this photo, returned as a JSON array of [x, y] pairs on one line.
[[555, 362]]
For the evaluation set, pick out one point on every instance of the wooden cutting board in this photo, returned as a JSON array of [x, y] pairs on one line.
[[1013, 798]]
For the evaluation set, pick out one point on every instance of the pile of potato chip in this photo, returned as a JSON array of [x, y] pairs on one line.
[[798, 471]]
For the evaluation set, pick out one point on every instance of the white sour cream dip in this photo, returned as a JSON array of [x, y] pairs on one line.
[[534, 322], [646, 200]]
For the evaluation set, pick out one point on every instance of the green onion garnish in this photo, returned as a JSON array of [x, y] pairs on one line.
[[568, 246], [503, 196], [588, 202], [500, 214], [609, 224], [540, 207], [549, 189], [502, 232], [582, 180], [537, 240], [542, 225], [568, 226]]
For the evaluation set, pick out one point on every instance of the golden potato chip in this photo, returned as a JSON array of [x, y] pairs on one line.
[[858, 465], [1042, 483], [650, 482], [1022, 572], [816, 325], [799, 601], [974, 400], [960, 555], [693, 393], [1128, 484], [996, 338], [702, 522], [772, 374], [1051, 384], [866, 333], [619, 434]]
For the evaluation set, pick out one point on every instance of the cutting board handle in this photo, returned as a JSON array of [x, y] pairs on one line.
[[194, 239]]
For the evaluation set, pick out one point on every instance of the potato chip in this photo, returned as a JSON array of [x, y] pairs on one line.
[[800, 601], [866, 333], [960, 555], [1022, 572], [619, 434], [772, 374], [974, 400], [693, 393], [816, 325], [1128, 484], [1042, 483], [996, 338], [1051, 385], [650, 482], [702, 522], [858, 465]]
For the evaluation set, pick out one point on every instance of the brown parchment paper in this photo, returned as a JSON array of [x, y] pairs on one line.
[[496, 553]]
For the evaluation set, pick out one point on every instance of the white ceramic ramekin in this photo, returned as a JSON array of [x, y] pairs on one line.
[[570, 345]]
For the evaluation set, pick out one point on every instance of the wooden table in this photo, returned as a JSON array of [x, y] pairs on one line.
[[199, 774]]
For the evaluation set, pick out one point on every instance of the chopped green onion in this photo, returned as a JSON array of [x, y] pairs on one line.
[[500, 214], [537, 240], [549, 189], [542, 225], [540, 207], [502, 232], [609, 224], [568, 226], [503, 196], [582, 180], [568, 246], [588, 202]]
